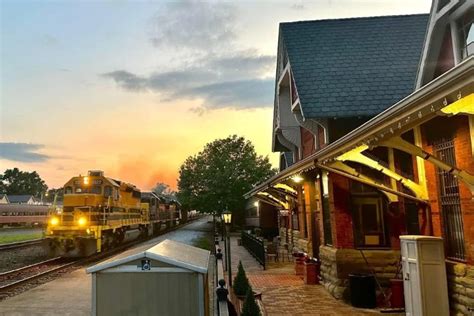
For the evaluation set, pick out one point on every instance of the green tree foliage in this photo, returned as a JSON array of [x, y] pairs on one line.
[[15, 182], [241, 282], [164, 190], [250, 307], [217, 178], [58, 193]]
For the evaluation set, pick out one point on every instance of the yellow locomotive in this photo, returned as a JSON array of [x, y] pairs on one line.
[[100, 212]]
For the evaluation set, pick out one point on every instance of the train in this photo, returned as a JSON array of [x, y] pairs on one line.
[[100, 213], [23, 215]]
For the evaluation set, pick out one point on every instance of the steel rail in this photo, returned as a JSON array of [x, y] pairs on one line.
[[19, 271], [21, 244]]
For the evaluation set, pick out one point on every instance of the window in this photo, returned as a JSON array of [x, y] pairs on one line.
[[466, 34], [78, 190], [369, 226], [442, 4], [252, 212], [68, 190], [107, 191], [96, 189], [449, 201]]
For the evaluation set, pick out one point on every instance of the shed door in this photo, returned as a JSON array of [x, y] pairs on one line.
[[147, 293], [411, 278]]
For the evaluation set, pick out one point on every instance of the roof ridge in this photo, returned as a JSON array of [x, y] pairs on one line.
[[372, 17]]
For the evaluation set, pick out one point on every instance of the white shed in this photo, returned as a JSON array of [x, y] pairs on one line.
[[167, 279]]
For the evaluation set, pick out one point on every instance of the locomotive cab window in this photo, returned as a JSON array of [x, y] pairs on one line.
[[96, 189], [107, 191]]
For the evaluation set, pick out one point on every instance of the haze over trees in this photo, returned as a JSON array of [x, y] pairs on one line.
[[14, 181], [217, 177], [164, 190]]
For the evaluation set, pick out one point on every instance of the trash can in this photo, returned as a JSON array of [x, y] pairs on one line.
[[362, 288], [397, 299], [311, 272]]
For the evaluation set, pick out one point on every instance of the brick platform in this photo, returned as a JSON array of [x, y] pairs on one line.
[[284, 293]]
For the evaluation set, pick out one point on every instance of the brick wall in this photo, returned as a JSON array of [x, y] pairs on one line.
[[341, 215], [465, 161]]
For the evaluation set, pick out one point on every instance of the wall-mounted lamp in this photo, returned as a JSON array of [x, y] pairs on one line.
[[297, 178]]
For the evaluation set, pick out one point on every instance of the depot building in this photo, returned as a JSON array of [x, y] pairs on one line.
[[374, 120]]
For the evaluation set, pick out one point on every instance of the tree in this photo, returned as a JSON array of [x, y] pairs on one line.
[[250, 307], [164, 190], [52, 193], [15, 181], [241, 282], [217, 177]]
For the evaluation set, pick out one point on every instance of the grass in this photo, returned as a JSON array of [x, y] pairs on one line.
[[202, 242], [9, 238]]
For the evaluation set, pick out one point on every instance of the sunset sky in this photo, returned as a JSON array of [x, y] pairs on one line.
[[134, 87]]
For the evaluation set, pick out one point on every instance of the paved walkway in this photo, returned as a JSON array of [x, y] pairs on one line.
[[284, 293]]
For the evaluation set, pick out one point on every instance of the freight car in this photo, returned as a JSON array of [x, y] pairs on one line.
[[23, 215], [100, 212]]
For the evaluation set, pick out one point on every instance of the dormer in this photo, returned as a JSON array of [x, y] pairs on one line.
[[449, 38]]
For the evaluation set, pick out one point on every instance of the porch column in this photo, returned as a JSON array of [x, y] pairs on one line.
[[312, 219]]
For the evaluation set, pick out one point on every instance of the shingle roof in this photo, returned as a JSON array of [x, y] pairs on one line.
[[19, 198], [354, 67]]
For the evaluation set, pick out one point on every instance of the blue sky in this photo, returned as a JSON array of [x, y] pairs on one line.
[[134, 87]]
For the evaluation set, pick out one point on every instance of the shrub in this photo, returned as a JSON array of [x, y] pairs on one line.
[[241, 283], [250, 307]]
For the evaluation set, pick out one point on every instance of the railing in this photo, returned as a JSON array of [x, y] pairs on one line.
[[222, 307], [254, 246]]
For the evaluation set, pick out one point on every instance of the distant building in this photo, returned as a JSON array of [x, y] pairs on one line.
[[4, 199], [23, 199]]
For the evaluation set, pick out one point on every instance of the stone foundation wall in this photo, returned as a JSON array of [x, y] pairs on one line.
[[460, 287], [337, 264], [298, 242]]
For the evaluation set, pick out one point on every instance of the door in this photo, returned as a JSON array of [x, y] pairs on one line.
[[411, 282]]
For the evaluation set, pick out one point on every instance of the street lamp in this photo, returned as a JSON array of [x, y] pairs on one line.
[[227, 219]]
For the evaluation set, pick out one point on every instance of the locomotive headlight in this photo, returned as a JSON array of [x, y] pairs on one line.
[[54, 221], [86, 180], [82, 221]]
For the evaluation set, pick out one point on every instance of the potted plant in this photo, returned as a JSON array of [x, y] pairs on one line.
[[250, 307], [241, 282]]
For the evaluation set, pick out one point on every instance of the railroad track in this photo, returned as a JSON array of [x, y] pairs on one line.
[[17, 277], [21, 244]]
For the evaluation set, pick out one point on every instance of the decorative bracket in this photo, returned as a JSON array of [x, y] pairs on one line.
[[357, 156], [400, 144]]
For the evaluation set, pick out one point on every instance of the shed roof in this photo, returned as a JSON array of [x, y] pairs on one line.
[[168, 251], [354, 67]]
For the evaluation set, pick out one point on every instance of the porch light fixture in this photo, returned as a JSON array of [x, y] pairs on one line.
[[255, 203], [297, 178], [227, 217]]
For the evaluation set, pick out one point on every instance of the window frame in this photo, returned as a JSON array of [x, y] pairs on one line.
[[360, 241]]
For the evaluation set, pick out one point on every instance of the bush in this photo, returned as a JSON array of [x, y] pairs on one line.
[[250, 307], [241, 283]]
